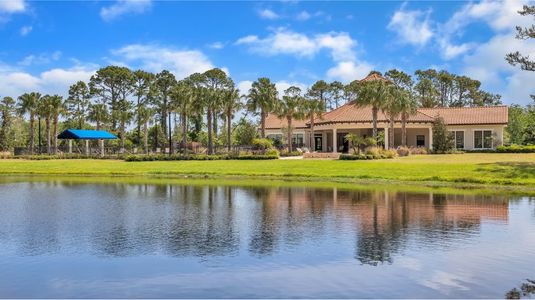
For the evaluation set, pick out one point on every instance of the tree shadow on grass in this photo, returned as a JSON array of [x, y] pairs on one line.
[[509, 169]]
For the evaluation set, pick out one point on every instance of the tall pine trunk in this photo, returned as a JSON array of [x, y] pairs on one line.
[[56, 134], [48, 141], [374, 121], [229, 130], [170, 136], [290, 131], [146, 137], [209, 120], [122, 132], [263, 123], [404, 129], [32, 133], [184, 120]]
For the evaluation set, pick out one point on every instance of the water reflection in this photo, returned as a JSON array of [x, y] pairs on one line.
[[211, 225]]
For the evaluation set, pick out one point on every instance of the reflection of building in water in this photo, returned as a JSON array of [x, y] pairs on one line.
[[191, 220]]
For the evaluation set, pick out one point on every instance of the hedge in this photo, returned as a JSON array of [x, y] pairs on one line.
[[516, 149], [197, 157]]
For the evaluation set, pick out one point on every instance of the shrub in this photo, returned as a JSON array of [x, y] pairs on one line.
[[293, 153], [418, 150], [5, 155], [442, 139], [375, 152], [403, 151], [262, 144], [272, 152], [516, 149], [353, 157], [389, 153], [135, 158]]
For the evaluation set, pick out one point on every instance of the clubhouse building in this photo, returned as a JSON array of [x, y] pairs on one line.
[[473, 128]]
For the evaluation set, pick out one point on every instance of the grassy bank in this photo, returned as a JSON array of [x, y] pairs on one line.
[[513, 170]]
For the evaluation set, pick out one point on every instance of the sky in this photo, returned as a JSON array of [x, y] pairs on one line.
[[46, 46]]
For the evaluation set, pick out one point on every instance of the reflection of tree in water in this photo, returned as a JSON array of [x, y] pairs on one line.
[[379, 239], [526, 289], [263, 239]]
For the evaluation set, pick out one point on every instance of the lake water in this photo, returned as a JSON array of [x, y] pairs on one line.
[[83, 240]]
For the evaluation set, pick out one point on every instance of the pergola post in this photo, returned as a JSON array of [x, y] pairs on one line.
[[101, 142], [70, 146], [86, 147]]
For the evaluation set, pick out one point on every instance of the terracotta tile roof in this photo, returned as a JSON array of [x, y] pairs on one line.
[[470, 115], [350, 113], [374, 76], [274, 122]]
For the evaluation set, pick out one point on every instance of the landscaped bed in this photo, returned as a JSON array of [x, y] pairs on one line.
[[454, 169]]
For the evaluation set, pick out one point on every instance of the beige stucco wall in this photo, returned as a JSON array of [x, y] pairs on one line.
[[497, 133], [412, 131]]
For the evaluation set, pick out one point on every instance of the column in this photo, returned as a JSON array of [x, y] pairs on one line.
[[386, 137], [430, 138], [335, 141], [70, 146], [101, 142], [86, 147]]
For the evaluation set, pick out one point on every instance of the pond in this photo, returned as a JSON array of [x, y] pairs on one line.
[[65, 238]]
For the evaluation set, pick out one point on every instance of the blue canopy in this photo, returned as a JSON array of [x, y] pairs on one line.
[[79, 134]]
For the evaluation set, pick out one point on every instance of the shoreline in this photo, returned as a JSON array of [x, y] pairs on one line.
[[277, 181]]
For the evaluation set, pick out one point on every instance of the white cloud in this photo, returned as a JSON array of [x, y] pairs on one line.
[[303, 16], [12, 6], [25, 30], [268, 14], [283, 41], [488, 65], [14, 82], [244, 86], [450, 51], [156, 58], [122, 7], [282, 85], [40, 59], [412, 27], [216, 45], [347, 71]]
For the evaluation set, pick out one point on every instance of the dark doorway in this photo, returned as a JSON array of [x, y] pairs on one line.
[[342, 143], [318, 142]]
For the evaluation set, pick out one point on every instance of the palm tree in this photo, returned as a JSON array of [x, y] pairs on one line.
[[290, 108], [392, 109], [230, 104], [45, 112], [407, 107], [182, 98], [99, 114], [313, 108], [262, 98], [145, 114], [57, 108], [372, 93], [28, 105]]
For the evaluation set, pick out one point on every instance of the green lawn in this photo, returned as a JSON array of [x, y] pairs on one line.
[[491, 169]]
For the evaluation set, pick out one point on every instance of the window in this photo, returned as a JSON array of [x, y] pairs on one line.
[[297, 139], [483, 139], [420, 141], [275, 137], [458, 138]]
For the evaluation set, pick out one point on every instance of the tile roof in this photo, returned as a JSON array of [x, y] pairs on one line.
[[470, 115], [274, 122], [349, 113]]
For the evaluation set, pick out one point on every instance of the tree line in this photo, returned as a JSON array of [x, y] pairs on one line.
[[150, 110]]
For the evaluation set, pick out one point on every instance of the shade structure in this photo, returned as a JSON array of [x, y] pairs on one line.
[[80, 134]]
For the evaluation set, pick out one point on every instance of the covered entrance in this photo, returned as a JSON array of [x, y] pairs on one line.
[[318, 142]]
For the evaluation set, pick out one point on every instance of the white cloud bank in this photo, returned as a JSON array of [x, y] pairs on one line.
[[412, 27], [268, 14], [156, 58], [12, 6], [124, 7], [339, 45]]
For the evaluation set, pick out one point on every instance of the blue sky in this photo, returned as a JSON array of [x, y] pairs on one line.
[[48, 45]]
